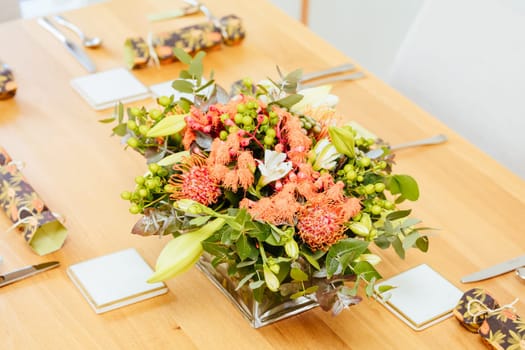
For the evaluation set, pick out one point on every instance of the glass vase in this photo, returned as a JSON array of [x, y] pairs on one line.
[[269, 310]]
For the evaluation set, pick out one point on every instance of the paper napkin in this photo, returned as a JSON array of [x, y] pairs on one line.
[[115, 280], [422, 297], [104, 89]]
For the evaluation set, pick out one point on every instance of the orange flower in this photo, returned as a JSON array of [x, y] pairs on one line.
[[299, 143], [321, 222], [320, 226], [279, 209], [189, 138], [219, 153], [246, 168], [194, 181]]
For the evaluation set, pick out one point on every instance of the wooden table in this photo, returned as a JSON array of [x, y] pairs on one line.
[[80, 170]]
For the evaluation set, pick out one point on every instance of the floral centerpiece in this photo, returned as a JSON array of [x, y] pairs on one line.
[[264, 183]]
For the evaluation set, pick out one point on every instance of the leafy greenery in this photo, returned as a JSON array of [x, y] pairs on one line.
[[346, 200]]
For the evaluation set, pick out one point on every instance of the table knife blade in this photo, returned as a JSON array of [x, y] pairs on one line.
[[73, 48], [81, 56], [27, 271], [495, 270]]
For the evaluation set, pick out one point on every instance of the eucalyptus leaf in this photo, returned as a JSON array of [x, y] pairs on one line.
[[208, 83], [245, 279], [311, 260], [120, 129], [156, 157], [182, 55], [246, 263], [289, 101], [196, 67], [382, 242], [182, 86], [298, 275], [398, 247], [409, 222], [410, 240], [256, 284], [184, 74], [398, 214], [107, 120]]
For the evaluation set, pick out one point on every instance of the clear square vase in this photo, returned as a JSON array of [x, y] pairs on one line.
[[258, 314]]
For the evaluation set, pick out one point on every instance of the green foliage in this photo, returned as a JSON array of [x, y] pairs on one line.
[[270, 260]]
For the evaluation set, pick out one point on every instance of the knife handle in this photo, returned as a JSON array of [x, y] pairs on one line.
[[46, 24]]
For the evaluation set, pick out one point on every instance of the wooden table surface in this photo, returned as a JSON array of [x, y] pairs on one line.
[[80, 170]]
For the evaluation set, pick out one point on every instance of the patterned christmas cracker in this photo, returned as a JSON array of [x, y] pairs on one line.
[[204, 36], [40, 228], [7, 82], [500, 327]]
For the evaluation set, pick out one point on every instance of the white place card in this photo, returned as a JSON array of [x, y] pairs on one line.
[[422, 297], [104, 89], [115, 280]]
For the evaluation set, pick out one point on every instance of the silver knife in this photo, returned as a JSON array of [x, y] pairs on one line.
[[74, 49], [495, 270], [27, 271]]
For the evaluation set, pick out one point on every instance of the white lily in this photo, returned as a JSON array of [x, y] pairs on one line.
[[326, 155], [273, 168], [315, 97]]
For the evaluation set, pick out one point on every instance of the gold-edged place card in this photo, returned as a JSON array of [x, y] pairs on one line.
[[421, 297], [115, 280]]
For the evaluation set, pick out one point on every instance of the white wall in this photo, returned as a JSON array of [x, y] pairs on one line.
[[369, 31]]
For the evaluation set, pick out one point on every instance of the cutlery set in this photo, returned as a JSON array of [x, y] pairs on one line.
[[72, 47]]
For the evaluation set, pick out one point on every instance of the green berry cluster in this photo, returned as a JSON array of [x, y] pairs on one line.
[[366, 178], [253, 122], [141, 120], [151, 187], [310, 124]]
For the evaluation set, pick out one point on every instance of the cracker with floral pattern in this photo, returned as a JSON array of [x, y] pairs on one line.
[[41, 229]]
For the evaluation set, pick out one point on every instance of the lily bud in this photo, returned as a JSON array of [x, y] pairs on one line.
[[292, 249], [343, 140], [272, 282], [372, 259], [182, 252], [359, 229]]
